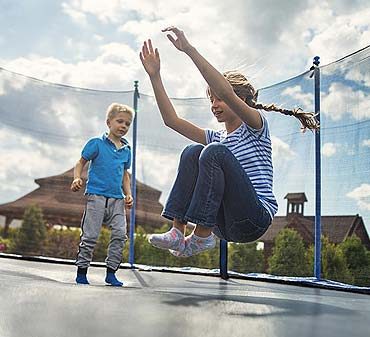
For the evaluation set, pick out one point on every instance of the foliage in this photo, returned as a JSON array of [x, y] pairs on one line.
[[4, 244], [357, 259], [245, 258], [333, 262], [32, 234], [62, 243], [289, 255]]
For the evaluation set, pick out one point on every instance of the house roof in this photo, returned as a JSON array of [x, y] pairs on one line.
[[296, 197], [336, 228], [61, 205]]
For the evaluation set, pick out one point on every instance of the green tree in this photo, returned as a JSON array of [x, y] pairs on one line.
[[32, 234], [334, 264], [62, 243], [289, 255], [358, 263], [245, 258]]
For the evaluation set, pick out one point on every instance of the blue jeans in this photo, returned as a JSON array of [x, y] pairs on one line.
[[212, 189]]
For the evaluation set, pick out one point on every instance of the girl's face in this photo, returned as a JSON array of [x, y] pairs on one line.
[[119, 124], [220, 109]]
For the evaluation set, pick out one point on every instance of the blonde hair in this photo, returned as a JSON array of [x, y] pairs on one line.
[[115, 108], [244, 90]]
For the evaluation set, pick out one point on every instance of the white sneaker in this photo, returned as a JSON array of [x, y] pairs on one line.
[[173, 239]]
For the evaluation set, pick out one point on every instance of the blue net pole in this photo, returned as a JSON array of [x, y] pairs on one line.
[[223, 260], [317, 262], [131, 258]]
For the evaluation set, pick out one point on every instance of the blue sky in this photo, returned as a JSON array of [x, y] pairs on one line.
[[95, 44]]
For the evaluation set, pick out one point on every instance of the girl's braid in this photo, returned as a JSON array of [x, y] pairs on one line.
[[246, 91]]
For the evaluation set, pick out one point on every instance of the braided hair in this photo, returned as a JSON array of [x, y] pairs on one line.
[[246, 91]]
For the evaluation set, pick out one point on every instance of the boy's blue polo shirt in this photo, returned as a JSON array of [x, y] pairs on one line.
[[107, 165]]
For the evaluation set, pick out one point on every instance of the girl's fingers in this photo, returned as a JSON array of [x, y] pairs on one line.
[[150, 46], [173, 29], [145, 48], [171, 38]]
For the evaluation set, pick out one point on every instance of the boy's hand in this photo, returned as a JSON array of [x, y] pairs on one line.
[[76, 184], [129, 201]]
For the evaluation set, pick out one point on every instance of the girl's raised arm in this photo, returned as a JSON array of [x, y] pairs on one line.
[[216, 81], [151, 62]]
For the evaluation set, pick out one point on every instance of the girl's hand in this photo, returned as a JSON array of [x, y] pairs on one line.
[[129, 201], [76, 184], [181, 43], [150, 59]]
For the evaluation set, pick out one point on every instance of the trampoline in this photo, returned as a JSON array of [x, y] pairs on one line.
[[41, 299]]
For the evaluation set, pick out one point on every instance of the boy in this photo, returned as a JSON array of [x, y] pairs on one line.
[[110, 158]]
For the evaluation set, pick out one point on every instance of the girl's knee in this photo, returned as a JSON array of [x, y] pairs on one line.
[[213, 150], [192, 151]]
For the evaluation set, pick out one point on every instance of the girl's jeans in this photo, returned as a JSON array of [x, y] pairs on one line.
[[212, 189]]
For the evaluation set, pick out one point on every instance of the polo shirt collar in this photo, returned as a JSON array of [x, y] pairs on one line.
[[123, 140]]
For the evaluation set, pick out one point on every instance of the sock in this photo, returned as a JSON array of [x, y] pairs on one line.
[[111, 278], [173, 239], [81, 277], [195, 244]]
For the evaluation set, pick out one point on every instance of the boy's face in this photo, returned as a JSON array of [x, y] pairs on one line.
[[119, 124]]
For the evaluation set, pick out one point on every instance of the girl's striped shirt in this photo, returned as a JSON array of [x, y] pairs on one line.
[[252, 148]]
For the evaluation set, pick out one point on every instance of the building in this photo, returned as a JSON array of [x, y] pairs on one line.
[[336, 228], [63, 207]]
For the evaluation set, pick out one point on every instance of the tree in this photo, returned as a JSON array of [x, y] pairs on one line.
[[245, 258], [357, 260], [32, 234], [289, 255], [334, 264]]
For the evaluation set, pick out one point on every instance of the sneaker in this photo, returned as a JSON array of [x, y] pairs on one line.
[[195, 244], [81, 279], [173, 239], [112, 280]]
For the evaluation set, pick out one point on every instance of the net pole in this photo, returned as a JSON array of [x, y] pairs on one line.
[[223, 260], [131, 258], [317, 262]]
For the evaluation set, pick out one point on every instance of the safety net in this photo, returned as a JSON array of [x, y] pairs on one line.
[[44, 127]]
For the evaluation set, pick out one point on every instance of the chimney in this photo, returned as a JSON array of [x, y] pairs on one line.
[[295, 203]]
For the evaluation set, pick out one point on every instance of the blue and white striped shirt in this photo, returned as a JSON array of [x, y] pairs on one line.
[[252, 148]]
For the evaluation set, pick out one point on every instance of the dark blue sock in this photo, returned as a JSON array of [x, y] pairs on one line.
[[112, 279], [81, 276]]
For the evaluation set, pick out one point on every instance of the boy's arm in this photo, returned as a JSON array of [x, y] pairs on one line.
[[151, 63], [129, 201], [77, 171]]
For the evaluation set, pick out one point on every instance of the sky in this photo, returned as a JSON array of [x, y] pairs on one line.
[[95, 44]]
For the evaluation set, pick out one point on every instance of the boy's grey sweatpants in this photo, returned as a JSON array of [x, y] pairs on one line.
[[111, 212]]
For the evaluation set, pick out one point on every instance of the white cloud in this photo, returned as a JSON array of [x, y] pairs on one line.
[[114, 69], [281, 151], [8, 81], [337, 35], [366, 142], [74, 13], [342, 100], [359, 74], [329, 149], [162, 170], [305, 99], [362, 196]]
